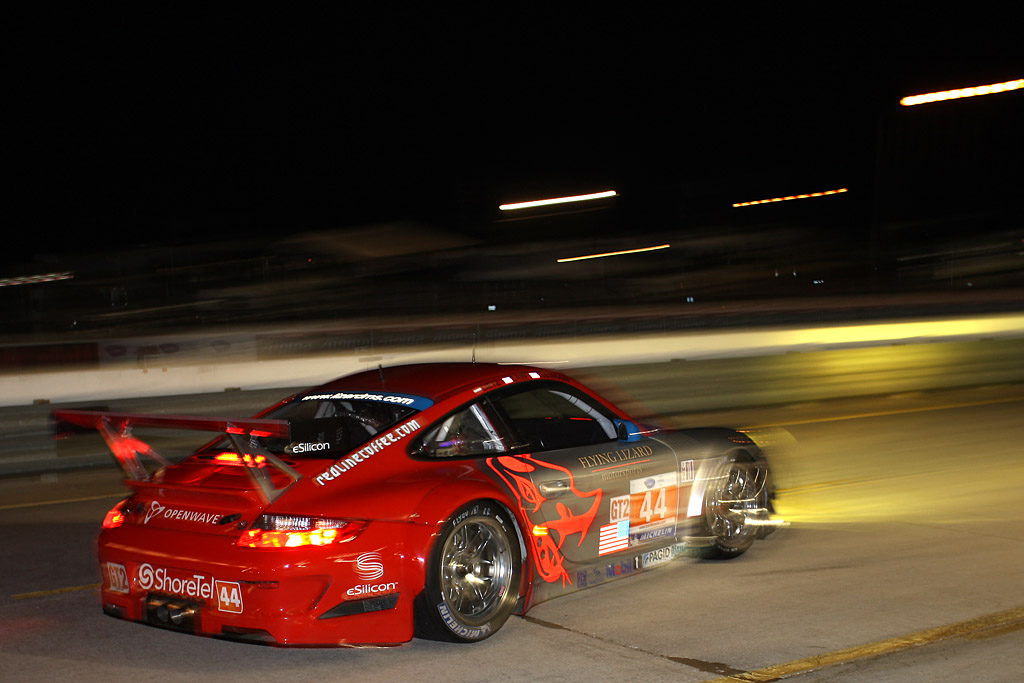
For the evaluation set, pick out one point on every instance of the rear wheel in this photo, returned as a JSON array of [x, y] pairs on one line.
[[735, 499], [473, 575]]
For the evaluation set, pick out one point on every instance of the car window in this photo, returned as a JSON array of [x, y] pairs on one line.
[[546, 419], [537, 419], [327, 428], [469, 432]]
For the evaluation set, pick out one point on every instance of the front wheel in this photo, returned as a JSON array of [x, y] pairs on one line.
[[735, 499], [473, 575]]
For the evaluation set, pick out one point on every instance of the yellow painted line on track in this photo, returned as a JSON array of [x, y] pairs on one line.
[[18, 506], [54, 591], [886, 413], [929, 636]]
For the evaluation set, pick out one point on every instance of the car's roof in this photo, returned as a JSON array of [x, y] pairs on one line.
[[435, 381]]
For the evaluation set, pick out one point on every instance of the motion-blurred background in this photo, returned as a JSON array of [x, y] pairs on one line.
[[177, 170]]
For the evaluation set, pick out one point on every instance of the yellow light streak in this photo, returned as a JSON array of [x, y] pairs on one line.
[[959, 93], [886, 413], [613, 253], [558, 200], [791, 197]]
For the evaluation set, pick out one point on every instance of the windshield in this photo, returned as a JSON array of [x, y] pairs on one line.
[[328, 427]]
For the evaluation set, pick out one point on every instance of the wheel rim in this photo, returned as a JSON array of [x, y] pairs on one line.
[[734, 496], [476, 569]]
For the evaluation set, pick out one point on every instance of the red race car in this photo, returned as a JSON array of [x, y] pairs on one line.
[[429, 500]]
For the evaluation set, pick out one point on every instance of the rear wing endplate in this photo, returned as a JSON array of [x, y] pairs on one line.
[[128, 449]]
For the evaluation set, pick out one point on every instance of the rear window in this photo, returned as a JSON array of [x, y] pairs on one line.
[[329, 427]]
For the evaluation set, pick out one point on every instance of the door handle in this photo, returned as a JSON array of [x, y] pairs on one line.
[[554, 488]]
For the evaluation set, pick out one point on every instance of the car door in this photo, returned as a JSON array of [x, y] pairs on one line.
[[598, 495]]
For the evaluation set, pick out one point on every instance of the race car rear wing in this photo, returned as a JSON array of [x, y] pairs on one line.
[[116, 430]]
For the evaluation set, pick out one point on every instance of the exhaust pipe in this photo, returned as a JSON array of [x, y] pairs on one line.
[[171, 613]]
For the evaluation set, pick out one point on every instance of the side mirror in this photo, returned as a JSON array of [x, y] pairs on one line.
[[628, 431], [623, 431]]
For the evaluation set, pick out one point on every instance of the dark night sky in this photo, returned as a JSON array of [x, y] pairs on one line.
[[151, 126]]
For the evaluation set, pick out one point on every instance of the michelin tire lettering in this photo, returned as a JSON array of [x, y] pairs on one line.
[[459, 629]]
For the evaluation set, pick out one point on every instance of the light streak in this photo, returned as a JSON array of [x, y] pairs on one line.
[[558, 200], [613, 253], [943, 95], [32, 279], [791, 197]]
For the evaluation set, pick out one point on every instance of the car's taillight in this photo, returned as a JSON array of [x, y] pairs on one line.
[[236, 459], [115, 517], [292, 531]]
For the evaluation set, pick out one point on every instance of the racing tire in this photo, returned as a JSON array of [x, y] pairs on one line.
[[473, 575], [736, 495]]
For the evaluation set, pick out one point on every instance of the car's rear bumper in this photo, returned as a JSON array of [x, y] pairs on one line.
[[356, 593]]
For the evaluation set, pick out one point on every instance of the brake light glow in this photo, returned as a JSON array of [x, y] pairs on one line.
[[289, 531], [236, 459], [253, 432], [115, 517]]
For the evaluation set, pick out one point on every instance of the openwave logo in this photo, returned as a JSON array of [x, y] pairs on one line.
[[155, 508], [369, 566]]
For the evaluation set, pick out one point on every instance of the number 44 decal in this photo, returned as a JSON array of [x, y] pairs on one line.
[[647, 511], [653, 500], [229, 596], [639, 507]]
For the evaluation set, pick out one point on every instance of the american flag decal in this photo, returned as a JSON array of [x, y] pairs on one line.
[[613, 538]]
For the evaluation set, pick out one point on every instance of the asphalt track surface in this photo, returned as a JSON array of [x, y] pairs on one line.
[[902, 558]]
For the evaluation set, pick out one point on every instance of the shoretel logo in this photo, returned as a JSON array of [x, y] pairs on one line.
[[225, 595], [369, 589]]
